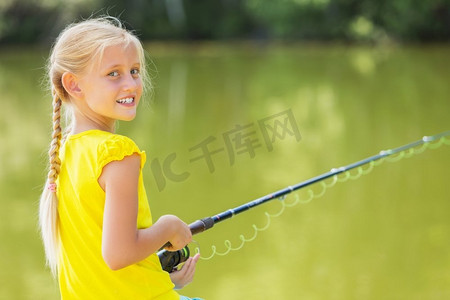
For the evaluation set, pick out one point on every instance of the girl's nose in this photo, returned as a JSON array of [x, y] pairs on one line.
[[131, 83]]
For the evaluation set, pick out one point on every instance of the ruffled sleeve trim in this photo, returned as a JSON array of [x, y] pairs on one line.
[[115, 148]]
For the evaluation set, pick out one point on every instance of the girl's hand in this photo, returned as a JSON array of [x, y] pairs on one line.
[[185, 275], [179, 233]]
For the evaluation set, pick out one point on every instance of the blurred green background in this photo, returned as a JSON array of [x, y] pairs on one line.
[[23, 21], [356, 77]]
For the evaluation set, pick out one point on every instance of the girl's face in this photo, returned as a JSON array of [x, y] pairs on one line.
[[112, 88]]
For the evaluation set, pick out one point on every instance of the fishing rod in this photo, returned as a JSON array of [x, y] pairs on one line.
[[170, 259]]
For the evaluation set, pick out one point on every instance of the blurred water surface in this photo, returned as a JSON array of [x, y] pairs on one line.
[[208, 131]]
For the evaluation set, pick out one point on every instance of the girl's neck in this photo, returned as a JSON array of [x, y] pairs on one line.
[[79, 129], [82, 123]]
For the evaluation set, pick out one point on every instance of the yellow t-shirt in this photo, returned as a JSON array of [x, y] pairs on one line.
[[82, 272]]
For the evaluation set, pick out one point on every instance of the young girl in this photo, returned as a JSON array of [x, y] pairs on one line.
[[94, 216]]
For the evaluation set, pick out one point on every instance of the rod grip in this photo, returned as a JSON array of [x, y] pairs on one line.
[[197, 227], [201, 225]]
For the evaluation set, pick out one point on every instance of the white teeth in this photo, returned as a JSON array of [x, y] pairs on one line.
[[126, 100]]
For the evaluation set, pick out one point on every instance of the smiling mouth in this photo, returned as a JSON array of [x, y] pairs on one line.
[[126, 100]]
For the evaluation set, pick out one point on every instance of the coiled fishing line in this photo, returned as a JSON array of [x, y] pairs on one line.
[[324, 185]]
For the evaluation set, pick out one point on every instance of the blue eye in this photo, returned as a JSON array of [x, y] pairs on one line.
[[114, 74], [135, 72]]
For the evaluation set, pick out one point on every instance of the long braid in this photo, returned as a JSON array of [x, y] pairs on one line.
[[48, 211], [53, 153]]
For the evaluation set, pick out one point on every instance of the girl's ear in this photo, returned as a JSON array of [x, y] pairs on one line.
[[70, 84]]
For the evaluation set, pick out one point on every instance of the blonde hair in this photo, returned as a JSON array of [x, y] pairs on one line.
[[75, 50]]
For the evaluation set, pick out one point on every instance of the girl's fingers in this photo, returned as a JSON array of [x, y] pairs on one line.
[[188, 268], [186, 274], [196, 257]]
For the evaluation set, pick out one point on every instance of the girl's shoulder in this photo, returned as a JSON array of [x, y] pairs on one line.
[[113, 147], [107, 146]]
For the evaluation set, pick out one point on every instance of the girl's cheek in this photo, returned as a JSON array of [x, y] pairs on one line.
[[115, 84]]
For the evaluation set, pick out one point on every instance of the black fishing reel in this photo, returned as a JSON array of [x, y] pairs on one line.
[[171, 259]]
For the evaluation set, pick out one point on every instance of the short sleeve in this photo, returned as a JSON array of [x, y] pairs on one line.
[[115, 148]]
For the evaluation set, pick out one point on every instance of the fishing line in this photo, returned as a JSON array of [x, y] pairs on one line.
[[394, 155]]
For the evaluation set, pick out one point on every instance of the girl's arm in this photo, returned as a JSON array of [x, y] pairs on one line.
[[122, 243]]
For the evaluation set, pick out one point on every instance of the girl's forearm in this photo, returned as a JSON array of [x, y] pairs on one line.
[[147, 241]]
